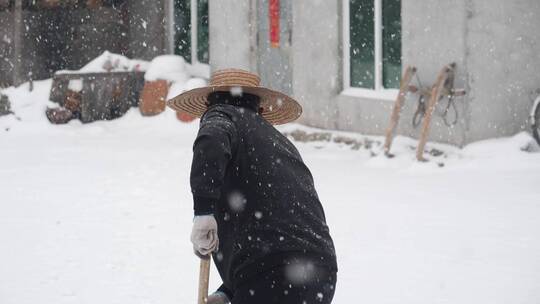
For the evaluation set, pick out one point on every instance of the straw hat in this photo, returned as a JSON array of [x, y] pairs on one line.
[[277, 108]]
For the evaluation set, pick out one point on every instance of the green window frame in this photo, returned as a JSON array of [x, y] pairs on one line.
[[190, 30], [372, 44]]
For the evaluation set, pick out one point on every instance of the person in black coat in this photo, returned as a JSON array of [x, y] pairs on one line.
[[256, 208]]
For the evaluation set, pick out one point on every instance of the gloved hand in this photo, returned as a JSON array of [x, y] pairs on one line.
[[204, 235], [218, 297]]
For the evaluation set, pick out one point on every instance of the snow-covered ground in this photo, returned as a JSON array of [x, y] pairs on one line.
[[101, 213]]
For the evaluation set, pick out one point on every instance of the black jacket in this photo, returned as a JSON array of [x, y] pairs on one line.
[[261, 193]]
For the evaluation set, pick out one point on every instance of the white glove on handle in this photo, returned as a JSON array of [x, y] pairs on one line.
[[204, 235]]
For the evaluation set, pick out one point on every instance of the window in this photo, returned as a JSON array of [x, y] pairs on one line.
[[190, 30], [372, 44]]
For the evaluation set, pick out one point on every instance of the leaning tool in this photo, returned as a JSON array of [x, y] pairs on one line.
[[396, 111], [445, 74]]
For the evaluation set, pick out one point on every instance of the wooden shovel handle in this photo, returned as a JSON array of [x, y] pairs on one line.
[[396, 111], [436, 91], [204, 275]]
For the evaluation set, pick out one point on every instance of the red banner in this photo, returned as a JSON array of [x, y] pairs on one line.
[[273, 13]]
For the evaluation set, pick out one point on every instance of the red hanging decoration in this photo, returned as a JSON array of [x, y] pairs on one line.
[[273, 12]]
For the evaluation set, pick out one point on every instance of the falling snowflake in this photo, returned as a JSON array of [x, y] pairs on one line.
[[300, 272], [237, 201], [236, 91], [219, 256]]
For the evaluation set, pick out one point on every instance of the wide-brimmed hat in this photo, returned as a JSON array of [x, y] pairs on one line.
[[277, 108]]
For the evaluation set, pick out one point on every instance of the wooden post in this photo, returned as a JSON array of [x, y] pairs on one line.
[[435, 96], [204, 275], [394, 118], [17, 43]]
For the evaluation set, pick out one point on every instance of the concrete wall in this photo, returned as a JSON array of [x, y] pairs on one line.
[[316, 53], [496, 47], [232, 34], [430, 40], [318, 66], [503, 43]]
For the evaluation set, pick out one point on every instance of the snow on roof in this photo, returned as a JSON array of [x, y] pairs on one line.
[[110, 62]]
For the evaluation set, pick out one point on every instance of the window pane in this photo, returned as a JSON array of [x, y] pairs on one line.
[[182, 29], [362, 43], [202, 31], [391, 43]]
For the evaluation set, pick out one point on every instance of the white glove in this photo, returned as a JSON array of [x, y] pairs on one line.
[[218, 297], [204, 235]]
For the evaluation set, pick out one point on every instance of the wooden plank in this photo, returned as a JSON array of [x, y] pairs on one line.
[[436, 91], [396, 111]]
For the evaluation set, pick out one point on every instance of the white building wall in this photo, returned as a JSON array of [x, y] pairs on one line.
[[318, 46], [232, 31], [316, 61], [503, 43], [495, 44]]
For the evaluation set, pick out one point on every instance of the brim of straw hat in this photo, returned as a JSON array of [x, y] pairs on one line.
[[277, 108]]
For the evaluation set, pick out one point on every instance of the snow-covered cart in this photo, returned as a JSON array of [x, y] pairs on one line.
[[97, 96]]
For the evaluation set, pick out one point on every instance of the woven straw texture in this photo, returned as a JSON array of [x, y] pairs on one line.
[[277, 108]]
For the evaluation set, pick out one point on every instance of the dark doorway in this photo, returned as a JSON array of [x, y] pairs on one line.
[[67, 34]]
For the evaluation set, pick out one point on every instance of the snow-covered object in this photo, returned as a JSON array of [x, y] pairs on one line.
[[167, 67], [29, 106], [111, 62], [178, 87], [75, 85], [194, 83], [198, 70], [175, 89]]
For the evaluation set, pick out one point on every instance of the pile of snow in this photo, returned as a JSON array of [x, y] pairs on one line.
[[101, 213], [181, 76], [110, 62], [93, 203], [28, 107], [178, 88], [167, 67], [174, 69]]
